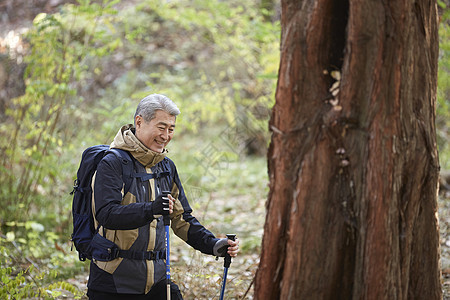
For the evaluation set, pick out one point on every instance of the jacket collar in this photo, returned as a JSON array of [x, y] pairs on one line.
[[127, 140]]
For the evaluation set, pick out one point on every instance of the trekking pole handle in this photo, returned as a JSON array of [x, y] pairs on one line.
[[227, 260], [166, 218]]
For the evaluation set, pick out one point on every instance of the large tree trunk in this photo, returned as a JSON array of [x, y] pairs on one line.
[[352, 208]]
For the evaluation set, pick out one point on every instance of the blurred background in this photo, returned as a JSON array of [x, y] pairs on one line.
[[72, 72]]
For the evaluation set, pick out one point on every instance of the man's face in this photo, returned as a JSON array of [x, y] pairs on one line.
[[157, 133]]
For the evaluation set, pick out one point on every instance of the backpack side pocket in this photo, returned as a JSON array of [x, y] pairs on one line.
[[103, 249]]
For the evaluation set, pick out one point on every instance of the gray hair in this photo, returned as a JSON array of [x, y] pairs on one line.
[[150, 104]]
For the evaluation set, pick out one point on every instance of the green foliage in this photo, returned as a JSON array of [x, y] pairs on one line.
[[213, 58], [20, 277], [30, 283], [443, 94], [39, 125]]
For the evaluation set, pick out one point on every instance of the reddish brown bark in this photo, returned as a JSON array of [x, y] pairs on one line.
[[352, 206]]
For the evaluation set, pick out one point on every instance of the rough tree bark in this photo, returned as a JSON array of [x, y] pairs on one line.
[[353, 165]]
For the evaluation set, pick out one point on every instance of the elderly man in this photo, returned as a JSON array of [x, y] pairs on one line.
[[133, 220]]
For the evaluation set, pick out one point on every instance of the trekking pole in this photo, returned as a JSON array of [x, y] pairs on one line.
[[226, 265], [166, 220], [167, 225]]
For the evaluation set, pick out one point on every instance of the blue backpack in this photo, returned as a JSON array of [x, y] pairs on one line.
[[83, 220]]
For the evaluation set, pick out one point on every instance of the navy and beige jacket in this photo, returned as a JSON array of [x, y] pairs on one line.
[[128, 221]]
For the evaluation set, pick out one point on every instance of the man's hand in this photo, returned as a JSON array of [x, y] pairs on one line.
[[163, 204], [171, 203], [224, 246]]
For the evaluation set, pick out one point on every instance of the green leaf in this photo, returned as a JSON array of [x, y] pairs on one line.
[[10, 236]]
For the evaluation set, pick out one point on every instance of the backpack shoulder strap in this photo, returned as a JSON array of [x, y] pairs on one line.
[[164, 175], [127, 161], [167, 162]]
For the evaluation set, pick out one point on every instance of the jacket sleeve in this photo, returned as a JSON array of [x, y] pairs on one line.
[[109, 211], [184, 224]]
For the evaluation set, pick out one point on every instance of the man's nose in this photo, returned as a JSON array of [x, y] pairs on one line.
[[165, 134]]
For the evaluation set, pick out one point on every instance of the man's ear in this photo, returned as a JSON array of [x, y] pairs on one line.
[[138, 121]]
